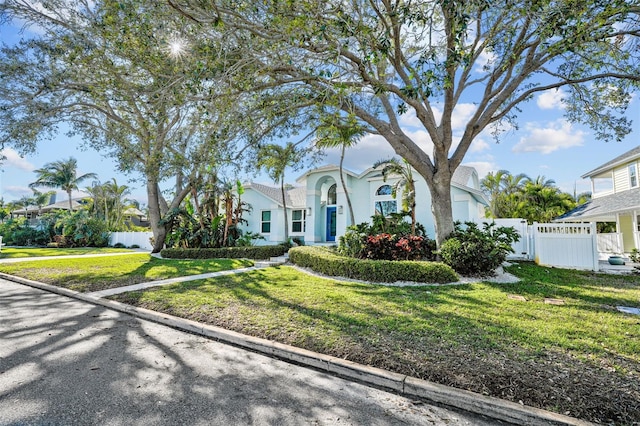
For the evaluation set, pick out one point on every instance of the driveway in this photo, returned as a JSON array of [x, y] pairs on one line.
[[68, 362]]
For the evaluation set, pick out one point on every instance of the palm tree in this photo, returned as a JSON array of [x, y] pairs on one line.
[[274, 159], [406, 182], [41, 199], [332, 135], [61, 174]]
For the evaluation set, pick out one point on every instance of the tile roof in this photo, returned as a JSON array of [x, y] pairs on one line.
[[604, 206], [296, 197], [627, 156]]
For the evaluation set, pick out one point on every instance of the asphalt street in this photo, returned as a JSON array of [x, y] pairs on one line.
[[68, 362]]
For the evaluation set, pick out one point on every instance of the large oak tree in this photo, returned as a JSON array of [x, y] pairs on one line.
[[379, 59], [120, 75]]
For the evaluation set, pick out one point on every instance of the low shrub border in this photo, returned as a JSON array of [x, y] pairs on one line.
[[325, 262], [250, 252]]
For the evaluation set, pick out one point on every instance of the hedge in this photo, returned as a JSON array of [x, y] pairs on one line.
[[326, 262], [250, 252]]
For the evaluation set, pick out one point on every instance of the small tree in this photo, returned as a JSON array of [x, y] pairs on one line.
[[331, 135], [406, 183], [274, 159]]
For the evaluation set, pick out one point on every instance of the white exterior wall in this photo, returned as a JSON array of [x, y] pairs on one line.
[[362, 192]]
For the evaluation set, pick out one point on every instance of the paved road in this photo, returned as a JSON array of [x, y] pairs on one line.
[[66, 362]]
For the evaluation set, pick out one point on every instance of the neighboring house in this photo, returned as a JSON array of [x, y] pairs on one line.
[[32, 212], [318, 211], [615, 189]]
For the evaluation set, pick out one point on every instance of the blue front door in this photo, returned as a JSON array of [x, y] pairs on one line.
[[331, 223]]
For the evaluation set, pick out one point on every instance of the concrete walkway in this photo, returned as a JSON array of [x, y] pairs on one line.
[[69, 256]]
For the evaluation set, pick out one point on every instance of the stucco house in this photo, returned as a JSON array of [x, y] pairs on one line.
[[318, 211], [615, 187]]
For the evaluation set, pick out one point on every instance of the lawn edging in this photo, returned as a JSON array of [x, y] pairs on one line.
[[402, 384]]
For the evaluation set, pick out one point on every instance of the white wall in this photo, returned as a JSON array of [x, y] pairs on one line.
[[140, 239]]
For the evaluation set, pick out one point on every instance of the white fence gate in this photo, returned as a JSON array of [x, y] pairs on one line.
[[141, 239], [569, 245], [522, 248]]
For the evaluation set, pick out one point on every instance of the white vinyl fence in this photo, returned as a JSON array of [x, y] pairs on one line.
[[568, 245], [129, 239], [610, 243]]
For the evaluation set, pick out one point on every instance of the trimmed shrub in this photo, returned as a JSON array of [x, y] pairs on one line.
[[250, 252], [477, 252], [323, 261]]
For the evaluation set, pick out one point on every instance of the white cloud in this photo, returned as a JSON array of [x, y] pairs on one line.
[[459, 118], [479, 145], [369, 149], [557, 135], [13, 159], [486, 59], [551, 99], [13, 192]]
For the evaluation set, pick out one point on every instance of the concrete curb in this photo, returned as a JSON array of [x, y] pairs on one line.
[[406, 385]]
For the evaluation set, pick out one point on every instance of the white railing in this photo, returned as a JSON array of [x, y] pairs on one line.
[[568, 245], [140, 239], [610, 243]]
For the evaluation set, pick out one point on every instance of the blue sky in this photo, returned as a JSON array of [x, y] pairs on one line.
[[544, 144]]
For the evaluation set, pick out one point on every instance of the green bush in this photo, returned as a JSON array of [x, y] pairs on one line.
[[477, 252], [249, 252], [326, 262]]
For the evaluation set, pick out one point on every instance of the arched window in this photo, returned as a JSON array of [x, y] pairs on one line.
[[384, 190], [331, 195], [384, 204]]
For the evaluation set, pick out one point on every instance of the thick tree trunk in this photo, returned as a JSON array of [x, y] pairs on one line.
[[441, 208], [159, 231]]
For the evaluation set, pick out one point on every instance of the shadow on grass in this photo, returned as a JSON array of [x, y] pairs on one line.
[[457, 336], [64, 360]]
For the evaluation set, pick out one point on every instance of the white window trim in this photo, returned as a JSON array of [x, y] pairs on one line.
[[633, 166], [303, 222], [381, 198], [266, 221]]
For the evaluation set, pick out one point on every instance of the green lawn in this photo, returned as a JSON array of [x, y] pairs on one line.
[[15, 252], [99, 273], [580, 358]]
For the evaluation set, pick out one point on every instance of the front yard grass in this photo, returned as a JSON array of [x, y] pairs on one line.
[[581, 358], [100, 273], [15, 252]]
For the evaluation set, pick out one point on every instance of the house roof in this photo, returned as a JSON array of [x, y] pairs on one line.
[[326, 168], [60, 205], [603, 208], [621, 159], [295, 197]]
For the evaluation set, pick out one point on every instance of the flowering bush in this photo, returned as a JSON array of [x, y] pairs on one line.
[[398, 247]]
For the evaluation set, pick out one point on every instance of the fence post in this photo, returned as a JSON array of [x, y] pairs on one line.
[[594, 243]]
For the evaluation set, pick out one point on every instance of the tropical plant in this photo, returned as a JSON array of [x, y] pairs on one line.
[[62, 174], [474, 251], [42, 199], [275, 159], [333, 133], [405, 183]]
